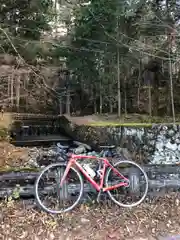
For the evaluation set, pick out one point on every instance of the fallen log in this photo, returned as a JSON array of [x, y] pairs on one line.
[[166, 169], [18, 176], [28, 190], [164, 183], [23, 182], [31, 175]]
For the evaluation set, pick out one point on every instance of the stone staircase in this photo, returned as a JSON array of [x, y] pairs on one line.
[[33, 129]]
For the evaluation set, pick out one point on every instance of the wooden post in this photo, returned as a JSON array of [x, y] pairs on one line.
[[18, 91], [12, 89], [68, 100]]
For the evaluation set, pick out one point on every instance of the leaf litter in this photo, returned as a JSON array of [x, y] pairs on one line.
[[149, 221]]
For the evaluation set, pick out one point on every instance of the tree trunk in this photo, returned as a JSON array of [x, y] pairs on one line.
[[100, 98], [95, 102], [9, 86], [12, 89], [171, 86], [125, 97], [155, 100], [110, 99], [168, 108], [68, 103], [118, 83], [150, 100], [139, 85], [18, 82], [171, 40], [60, 106], [118, 73], [26, 87], [110, 107]]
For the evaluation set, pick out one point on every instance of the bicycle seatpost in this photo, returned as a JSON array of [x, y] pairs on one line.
[[99, 167]]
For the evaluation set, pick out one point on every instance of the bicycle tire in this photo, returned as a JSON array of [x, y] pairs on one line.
[[146, 188], [39, 202]]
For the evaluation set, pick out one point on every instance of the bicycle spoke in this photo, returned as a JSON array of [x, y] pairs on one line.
[[135, 192], [54, 198]]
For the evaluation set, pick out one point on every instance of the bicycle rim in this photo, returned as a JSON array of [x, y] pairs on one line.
[[38, 192], [107, 180]]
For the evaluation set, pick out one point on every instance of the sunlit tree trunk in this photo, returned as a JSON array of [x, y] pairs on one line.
[[12, 89], [18, 81], [171, 85], [100, 98]]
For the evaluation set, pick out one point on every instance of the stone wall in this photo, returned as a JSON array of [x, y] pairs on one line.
[[156, 144]]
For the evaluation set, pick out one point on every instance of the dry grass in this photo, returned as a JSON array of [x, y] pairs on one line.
[[5, 120]]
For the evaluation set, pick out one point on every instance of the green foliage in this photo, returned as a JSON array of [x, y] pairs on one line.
[[23, 21], [25, 18], [13, 196], [4, 134], [16, 192], [107, 47], [99, 29], [137, 30]]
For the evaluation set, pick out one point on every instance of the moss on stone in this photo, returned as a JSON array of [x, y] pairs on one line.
[[114, 124], [9, 169], [128, 124]]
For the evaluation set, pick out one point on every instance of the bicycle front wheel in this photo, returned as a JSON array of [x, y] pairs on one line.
[[55, 199], [136, 191]]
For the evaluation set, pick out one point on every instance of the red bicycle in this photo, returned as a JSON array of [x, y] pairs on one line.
[[126, 182]]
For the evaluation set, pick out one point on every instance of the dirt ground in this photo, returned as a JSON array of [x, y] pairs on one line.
[[149, 221], [11, 156], [112, 119]]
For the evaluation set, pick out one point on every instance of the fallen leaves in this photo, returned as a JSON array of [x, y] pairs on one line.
[[11, 156], [97, 222]]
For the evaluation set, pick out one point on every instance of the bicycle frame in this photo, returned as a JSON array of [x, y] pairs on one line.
[[73, 161]]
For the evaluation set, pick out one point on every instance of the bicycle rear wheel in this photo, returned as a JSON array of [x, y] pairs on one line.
[[50, 196], [137, 188]]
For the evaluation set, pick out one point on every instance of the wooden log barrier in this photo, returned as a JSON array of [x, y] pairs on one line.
[[25, 182], [27, 191]]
